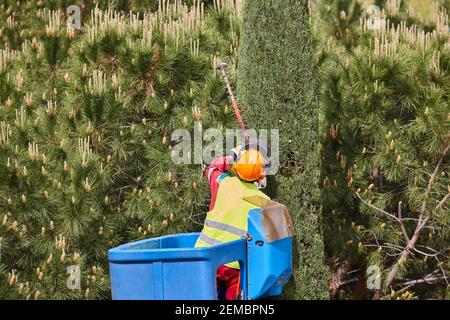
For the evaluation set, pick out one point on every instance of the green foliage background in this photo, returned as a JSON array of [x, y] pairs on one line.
[[86, 118]]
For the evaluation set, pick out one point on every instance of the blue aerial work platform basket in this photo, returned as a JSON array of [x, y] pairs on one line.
[[170, 268]]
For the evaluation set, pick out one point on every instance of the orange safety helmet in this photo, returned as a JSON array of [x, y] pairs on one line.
[[250, 165]]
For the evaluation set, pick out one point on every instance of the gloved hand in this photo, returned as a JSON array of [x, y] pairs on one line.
[[261, 184], [235, 153]]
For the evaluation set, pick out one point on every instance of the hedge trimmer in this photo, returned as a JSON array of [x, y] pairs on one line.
[[247, 143], [221, 67]]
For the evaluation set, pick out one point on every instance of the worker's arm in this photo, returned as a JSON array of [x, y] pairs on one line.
[[213, 174], [217, 167]]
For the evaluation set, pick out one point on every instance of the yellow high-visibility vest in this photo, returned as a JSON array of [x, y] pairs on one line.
[[228, 220]]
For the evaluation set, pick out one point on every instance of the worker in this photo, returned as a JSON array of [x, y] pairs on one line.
[[231, 179]]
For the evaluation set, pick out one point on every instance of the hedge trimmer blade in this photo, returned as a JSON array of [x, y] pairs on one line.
[[221, 67]]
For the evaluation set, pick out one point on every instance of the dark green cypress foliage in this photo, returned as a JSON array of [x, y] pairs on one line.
[[275, 85]]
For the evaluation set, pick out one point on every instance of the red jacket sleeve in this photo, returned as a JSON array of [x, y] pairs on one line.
[[213, 172]]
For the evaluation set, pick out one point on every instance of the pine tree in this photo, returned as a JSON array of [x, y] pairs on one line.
[[337, 20], [385, 154], [86, 121], [276, 89]]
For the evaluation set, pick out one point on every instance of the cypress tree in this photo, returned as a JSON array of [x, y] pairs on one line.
[[275, 85], [385, 146]]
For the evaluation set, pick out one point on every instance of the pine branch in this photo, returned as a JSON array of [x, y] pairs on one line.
[[140, 183], [400, 220], [376, 208], [441, 203], [431, 278], [420, 224]]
